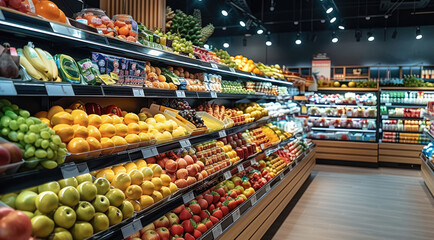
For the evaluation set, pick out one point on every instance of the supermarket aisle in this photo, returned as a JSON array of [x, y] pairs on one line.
[[360, 203]]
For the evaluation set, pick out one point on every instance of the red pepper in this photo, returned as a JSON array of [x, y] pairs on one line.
[[93, 108], [112, 109]]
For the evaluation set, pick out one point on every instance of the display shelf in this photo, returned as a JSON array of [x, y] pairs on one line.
[[408, 88], [148, 216], [348, 89], [29, 26], [403, 105], [22, 180], [382, 130], [342, 117], [338, 105], [385, 117], [405, 153], [427, 172], [429, 135], [346, 151], [342, 129]]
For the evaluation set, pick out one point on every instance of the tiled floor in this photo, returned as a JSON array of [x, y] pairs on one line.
[[360, 203]]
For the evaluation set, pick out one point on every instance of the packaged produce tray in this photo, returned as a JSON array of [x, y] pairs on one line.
[[212, 123], [174, 113]]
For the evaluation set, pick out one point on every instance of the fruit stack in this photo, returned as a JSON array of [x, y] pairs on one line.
[[258, 138], [212, 155], [238, 143], [253, 110], [39, 144], [156, 79], [230, 152], [274, 165], [143, 183]]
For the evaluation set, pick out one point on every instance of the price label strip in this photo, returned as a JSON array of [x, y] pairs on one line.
[[213, 65], [253, 199], [213, 95], [2, 17], [240, 168], [281, 177], [388, 104], [149, 152], [253, 74], [138, 92], [185, 143], [253, 162], [222, 133], [180, 93], [232, 70], [227, 175], [7, 88], [69, 170], [68, 90], [267, 187], [236, 214], [217, 231], [137, 224], [188, 197], [82, 168], [385, 116], [128, 230]]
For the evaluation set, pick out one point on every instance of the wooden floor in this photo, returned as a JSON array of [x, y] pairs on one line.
[[360, 203]]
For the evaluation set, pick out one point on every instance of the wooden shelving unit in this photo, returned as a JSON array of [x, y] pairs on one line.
[[348, 89], [427, 172], [399, 153], [347, 151]]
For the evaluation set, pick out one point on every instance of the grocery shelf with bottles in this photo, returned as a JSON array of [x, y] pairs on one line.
[[427, 154]]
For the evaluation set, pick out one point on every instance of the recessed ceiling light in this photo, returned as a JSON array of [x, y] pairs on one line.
[[225, 45], [333, 20], [370, 37], [225, 13], [260, 31], [418, 34], [329, 10], [242, 23]]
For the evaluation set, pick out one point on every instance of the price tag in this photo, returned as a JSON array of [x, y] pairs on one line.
[[128, 230], [267, 187], [253, 199], [262, 146], [137, 224], [68, 90], [232, 70], [385, 116], [388, 104], [180, 93], [69, 170], [269, 152], [149, 152], [359, 104], [222, 133], [281, 177], [188, 197], [240, 168], [2, 17], [54, 89], [253, 74], [227, 175], [266, 76], [273, 78], [332, 127], [236, 214], [185, 143], [138, 92], [213, 95], [82, 168], [217, 231], [213, 65], [364, 128], [7, 88], [253, 162]]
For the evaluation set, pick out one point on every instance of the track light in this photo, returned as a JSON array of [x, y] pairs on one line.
[[329, 10], [358, 35], [370, 37], [341, 27], [268, 42], [225, 45], [225, 13], [334, 38], [418, 34], [298, 39], [242, 23], [394, 34], [333, 20], [260, 31]]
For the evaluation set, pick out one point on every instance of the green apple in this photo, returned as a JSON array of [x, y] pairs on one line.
[[84, 178], [9, 199], [46, 202], [69, 196], [32, 189], [29, 214], [102, 185], [101, 203], [87, 191], [26, 201], [115, 196], [68, 182], [49, 186], [127, 209], [114, 215], [100, 222], [65, 217], [85, 211], [60, 234], [42, 226], [81, 230]]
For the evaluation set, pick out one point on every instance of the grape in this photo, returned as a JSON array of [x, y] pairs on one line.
[[35, 120], [34, 128], [29, 152], [30, 122], [13, 136], [24, 113], [5, 121], [15, 107], [13, 125], [20, 136], [41, 154], [60, 160], [27, 146], [61, 152], [49, 164], [45, 143], [24, 127], [53, 146], [21, 120], [38, 142], [62, 145], [42, 126], [11, 114], [56, 139], [45, 135], [32, 137], [5, 131], [31, 162], [51, 131], [50, 154]]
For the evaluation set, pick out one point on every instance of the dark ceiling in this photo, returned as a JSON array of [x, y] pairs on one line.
[[306, 15]]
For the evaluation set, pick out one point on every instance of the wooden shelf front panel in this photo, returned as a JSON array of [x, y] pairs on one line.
[[399, 153], [347, 151], [428, 176]]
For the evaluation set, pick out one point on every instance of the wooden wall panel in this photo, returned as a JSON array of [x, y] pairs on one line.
[[149, 12]]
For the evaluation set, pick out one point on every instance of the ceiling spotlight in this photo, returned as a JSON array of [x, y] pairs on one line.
[[268, 42], [322, 20], [334, 38], [341, 27], [225, 45], [370, 37], [418, 34], [368, 18], [329, 10], [295, 22], [272, 5], [358, 35], [333, 20], [225, 13], [394, 34], [242, 23], [298, 39], [260, 31], [206, 46]]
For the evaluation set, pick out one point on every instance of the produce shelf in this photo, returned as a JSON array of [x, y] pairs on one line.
[[385, 117], [22, 180], [30, 26], [342, 129], [408, 88], [348, 89], [429, 135], [403, 105], [382, 130], [340, 117], [427, 172], [338, 105]]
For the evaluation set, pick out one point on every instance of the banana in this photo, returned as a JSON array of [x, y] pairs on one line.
[[34, 59], [53, 65], [29, 67], [46, 62]]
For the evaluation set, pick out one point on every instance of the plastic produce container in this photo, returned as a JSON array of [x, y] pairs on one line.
[[9, 168]]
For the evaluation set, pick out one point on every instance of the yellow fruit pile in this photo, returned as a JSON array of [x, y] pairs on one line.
[[161, 128], [72, 208], [143, 184], [253, 110], [83, 133]]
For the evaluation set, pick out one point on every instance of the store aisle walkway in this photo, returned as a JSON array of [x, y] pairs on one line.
[[360, 203]]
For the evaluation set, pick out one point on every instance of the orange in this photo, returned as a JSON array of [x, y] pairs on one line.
[[157, 196], [119, 141], [132, 138], [144, 137], [122, 181], [78, 145], [107, 143], [147, 187], [133, 128], [121, 129], [62, 118], [136, 177], [80, 117], [116, 119], [124, 30], [65, 132], [120, 23], [146, 201], [140, 164], [95, 120], [133, 192], [42, 114], [80, 131], [165, 85], [106, 119], [172, 86], [107, 174], [53, 110], [143, 127], [131, 118], [155, 84], [46, 121], [94, 132], [94, 144], [161, 78], [107, 130]]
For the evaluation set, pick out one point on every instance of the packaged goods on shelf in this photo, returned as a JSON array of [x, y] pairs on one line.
[[403, 112], [277, 109], [406, 97], [411, 138], [344, 123], [348, 111], [343, 135], [405, 125], [428, 151], [367, 99]]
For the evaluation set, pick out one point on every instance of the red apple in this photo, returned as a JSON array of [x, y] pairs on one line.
[[189, 159], [171, 166], [14, 151], [14, 225], [181, 163], [173, 218], [146, 228], [162, 222], [5, 156], [151, 235], [192, 170], [163, 233], [135, 235]]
